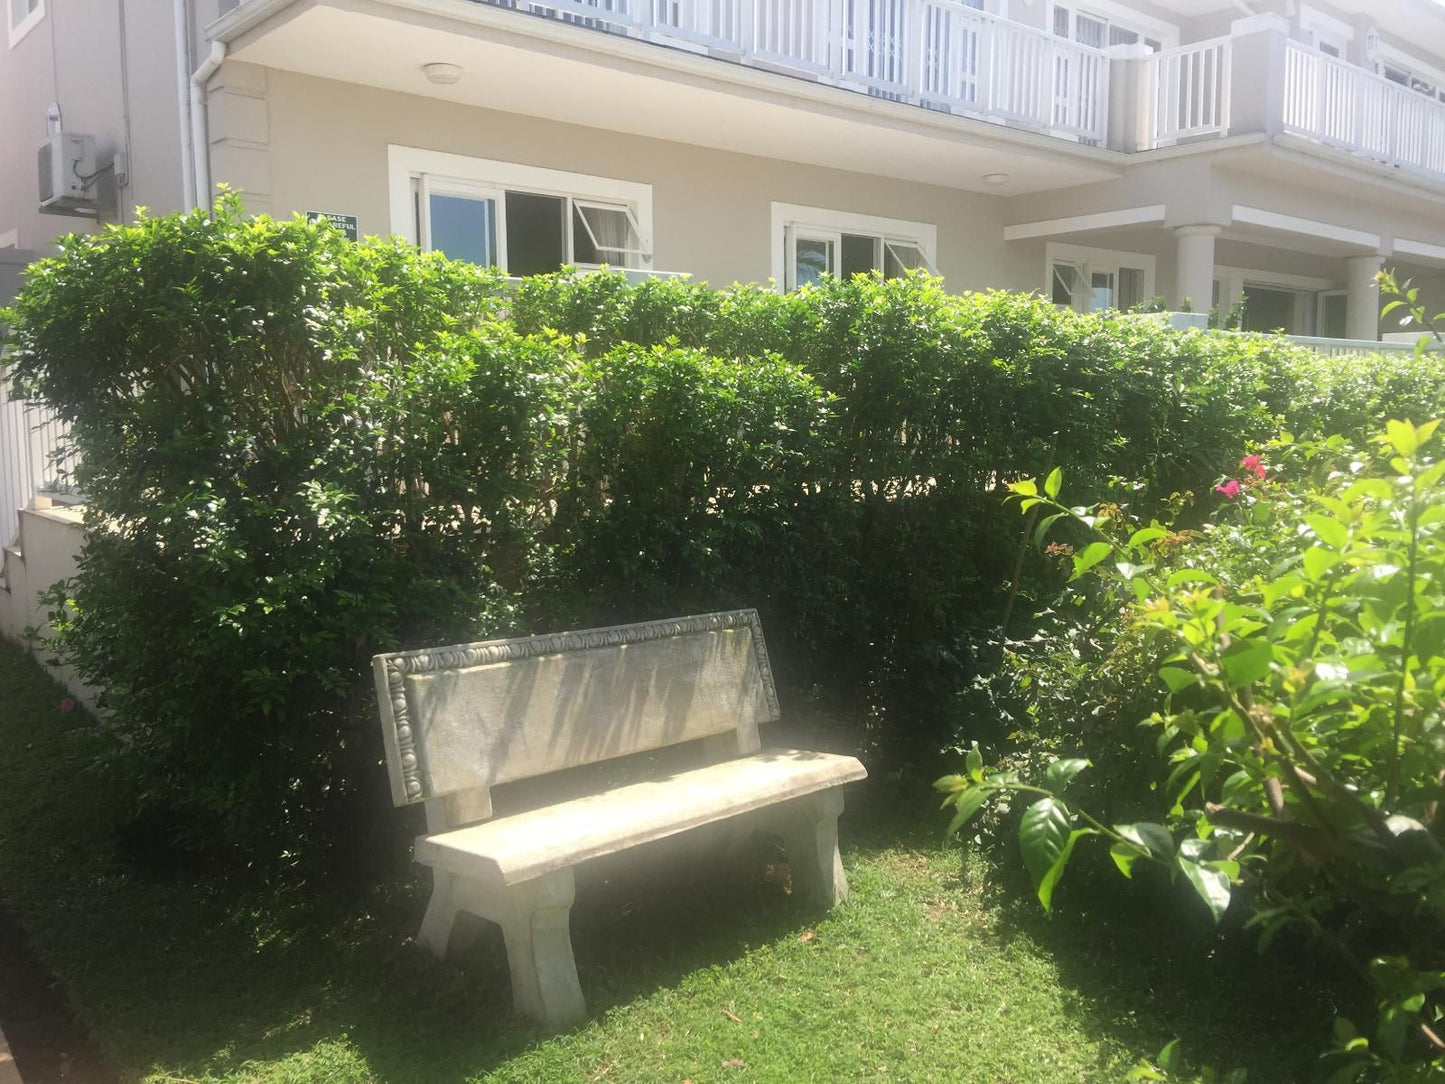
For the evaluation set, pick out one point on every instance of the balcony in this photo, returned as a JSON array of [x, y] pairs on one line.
[[939, 54], [1206, 90]]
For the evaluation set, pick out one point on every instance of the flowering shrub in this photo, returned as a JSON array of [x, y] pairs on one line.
[[300, 450], [1302, 635]]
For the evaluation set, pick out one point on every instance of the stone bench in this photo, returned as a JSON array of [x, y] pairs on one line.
[[460, 720]]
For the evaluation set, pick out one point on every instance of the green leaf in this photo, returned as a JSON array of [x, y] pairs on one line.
[[1090, 556], [1061, 773], [1124, 856], [968, 805], [1177, 677], [1211, 884], [1145, 534], [1056, 871], [1043, 835], [1329, 530], [1318, 561], [1170, 1059], [1053, 483], [1247, 661], [1025, 488], [1154, 838], [973, 764], [1403, 437], [1043, 529]]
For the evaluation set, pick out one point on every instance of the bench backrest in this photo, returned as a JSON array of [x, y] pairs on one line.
[[464, 718]]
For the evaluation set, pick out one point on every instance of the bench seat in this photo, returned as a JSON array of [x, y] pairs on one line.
[[528, 845]]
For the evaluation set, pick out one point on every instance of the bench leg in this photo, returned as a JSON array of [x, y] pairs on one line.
[[534, 921], [435, 934], [810, 834]]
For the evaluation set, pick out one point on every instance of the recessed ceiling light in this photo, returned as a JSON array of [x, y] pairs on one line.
[[995, 179], [443, 74]]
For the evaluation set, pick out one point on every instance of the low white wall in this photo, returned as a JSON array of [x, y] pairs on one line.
[[46, 551]]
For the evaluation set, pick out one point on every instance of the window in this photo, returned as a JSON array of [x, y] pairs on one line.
[[1091, 280], [522, 219], [24, 14], [1099, 30], [1408, 72], [810, 242]]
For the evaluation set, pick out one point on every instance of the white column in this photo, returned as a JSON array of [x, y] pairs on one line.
[[1362, 305], [1194, 267]]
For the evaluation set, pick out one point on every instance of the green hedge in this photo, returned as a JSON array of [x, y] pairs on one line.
[[300, 451]]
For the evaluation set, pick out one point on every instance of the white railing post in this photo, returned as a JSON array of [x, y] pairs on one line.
[[912, 60]]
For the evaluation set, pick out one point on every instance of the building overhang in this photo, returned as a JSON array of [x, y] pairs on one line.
[[523, 64]]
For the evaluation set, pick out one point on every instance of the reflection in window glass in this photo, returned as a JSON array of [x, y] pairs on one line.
[[1065, 284], [603, 235], [1101, 292], [536, 241], [464, 228], [900, 258], [858, 255], [1131, 287], [814, 260]]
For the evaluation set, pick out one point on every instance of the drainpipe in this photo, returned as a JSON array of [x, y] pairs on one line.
[[201, 126], [183, 102]]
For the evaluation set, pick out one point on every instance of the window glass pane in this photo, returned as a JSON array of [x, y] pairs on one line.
[[1089, 31], [1131, 286], [604, 235], [1119, 36], [536, 241], [900, 258], [1394, 75], [1061, 21], [858, 254], [464, 228], [1101, 293], [814, 260], [1065, 284], [1332, 315], [1269, 309], [1153, 44], [21, 8], [1328, 49]]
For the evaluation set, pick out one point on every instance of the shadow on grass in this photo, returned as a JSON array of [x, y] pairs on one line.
[[1143, 961], [189, 977]]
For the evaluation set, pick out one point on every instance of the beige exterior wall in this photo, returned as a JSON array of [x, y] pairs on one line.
[[296, 143], [117, 85]]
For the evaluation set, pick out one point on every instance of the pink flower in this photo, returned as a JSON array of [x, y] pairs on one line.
[[68, 704], [1253, 464], [1230, 489]]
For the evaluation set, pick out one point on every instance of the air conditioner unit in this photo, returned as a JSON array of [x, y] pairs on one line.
[[67, 175]]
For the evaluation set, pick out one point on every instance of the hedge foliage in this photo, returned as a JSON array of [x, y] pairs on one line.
[[300, 451]]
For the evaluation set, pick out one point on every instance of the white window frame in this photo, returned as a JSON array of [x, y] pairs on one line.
[[25, 25], [1115, 14], [1389, 56], [482, 178], [1321, 29], [791, 220], [1306, 288], [1103, 260]]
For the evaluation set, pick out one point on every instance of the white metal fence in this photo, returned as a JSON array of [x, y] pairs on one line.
[[1330, 100], [939, 53], [34, 458], [1186, 92]]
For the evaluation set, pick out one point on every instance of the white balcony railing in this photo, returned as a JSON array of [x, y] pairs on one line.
[[1337, 103], [1186, 92], [34, 458], [942, 54]]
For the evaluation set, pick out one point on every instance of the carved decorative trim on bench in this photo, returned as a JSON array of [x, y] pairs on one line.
[[432, 660]]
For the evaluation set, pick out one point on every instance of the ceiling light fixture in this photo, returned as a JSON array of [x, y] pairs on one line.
[[995, 179], [443, 74]]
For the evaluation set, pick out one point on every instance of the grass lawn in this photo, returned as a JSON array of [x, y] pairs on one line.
[[934, 970]]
